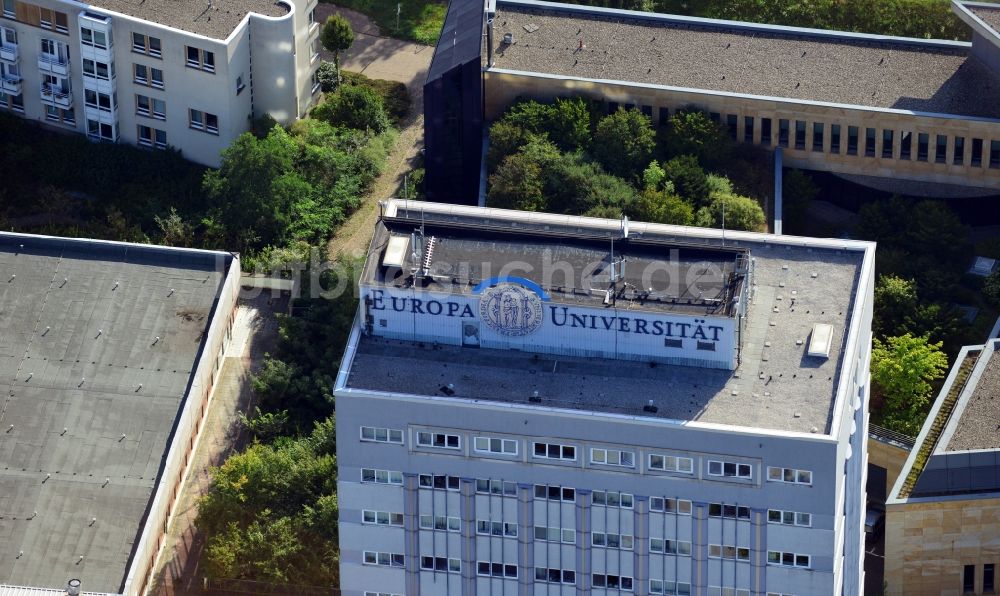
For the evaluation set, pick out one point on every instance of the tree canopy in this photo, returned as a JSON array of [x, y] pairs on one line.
[[336, 36], [902, 370]]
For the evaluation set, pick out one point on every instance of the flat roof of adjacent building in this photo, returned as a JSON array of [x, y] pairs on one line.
[[975, 424], [98, 342], [212, 18], [746, 58], [989, 14], [797, 283]]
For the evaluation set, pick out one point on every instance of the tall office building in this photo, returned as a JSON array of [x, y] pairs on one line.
[[189, 74], [544, 404]]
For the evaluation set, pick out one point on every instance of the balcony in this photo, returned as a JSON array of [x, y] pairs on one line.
[[8, 52], [53, 64], [56, 96], [11, 85]]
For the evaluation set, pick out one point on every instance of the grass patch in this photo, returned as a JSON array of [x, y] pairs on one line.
[[419, 20], [394, 95]]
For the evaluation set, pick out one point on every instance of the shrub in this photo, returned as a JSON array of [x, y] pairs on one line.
[[624, 143], [354, 106], [692, 132], [326, 74], [688, 179]]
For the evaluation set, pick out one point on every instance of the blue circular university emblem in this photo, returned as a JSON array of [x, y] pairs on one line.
[[511, 310]]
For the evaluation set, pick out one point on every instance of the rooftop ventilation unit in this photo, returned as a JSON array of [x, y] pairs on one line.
[[821, 340], [395, 253], [73, 587]]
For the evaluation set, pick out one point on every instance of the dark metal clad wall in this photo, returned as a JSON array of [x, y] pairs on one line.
[[453, 107]]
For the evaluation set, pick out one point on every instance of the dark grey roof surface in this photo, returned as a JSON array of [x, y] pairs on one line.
[[729, 57], [777, 386], [978, 426], [572, 269], [215, 18], [79, 438], [461, 37]]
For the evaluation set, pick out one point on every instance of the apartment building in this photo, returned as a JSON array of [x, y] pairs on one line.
[[906, 115], [108, 355], [943, 515], [541, 404], [188, 74]]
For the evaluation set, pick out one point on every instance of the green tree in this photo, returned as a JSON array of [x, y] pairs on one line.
[[569, 124], [336, 36], [895, 302], [354, 106], [660, 206], [653, 176], [624, 143], [518, 184], [506, 138], [175, 231], [902, 370], [735, 212], [991, 288], [692, 132], [688, 178]]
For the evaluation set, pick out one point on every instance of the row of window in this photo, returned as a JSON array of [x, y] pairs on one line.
[[667, 505], [789, 518], [730, 469], [669, 588], [614, 582], [612, 499], [495, 528], [381, 435], [381, 518], [491, 569], [373, 476], [31, 14], [723, 551], [670, 547], [787, 559], [545, 534], [789, 475], [619, 541], [446, 564], [440, 522], [383, 559]]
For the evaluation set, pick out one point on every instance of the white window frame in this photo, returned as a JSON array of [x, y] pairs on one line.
[[376, 558], [483, 444], [447, 523], [666, 459], [429, 439], [612, 457], [491, 569], [722, 551], [681, 548], [796, 517], [390, 477], [606, 579], [422, 479], [603, 498], [659, 586], [559, 448], [778, 474], [554, 534], [488, 527], [563, 577], [794, 556], [373, 432], [603, 540], [681, 506], [391, 518], [562, 493], [496, 487], [741, 471], [453, 565]]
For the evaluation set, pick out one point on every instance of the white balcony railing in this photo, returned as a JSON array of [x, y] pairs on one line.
[[11, 85], [8, 52], [56, 96], [53, 64]]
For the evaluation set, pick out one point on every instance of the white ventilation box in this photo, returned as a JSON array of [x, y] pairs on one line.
[[821, 340], [395, 253]]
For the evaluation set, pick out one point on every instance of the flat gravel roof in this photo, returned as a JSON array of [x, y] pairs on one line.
[[737, 58], [211, 18], [776, 386], [978, 425], [90, 397], [991, 16]]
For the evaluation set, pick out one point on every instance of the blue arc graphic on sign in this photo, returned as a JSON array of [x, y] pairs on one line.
[[489, 283]]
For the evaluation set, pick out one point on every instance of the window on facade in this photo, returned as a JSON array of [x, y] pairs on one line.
[[94, 38], [554, 451], [612, 582], [612, 499], [941, 150], [887, 142], [748, 129], [905, 144], [782, 132], [98, 70], [787, 559], [495, 487], [977, 153], [9, 9], [372, 476], [100, 101], [59, 115], [445, 564], [9, 37], [555, 576], [669, 588], [852, 140], [969, 578], [670, 547], [495, 528], [617, 541], [146, 44], [199, 120], [490, 569], [818, 136], [670, 463], [664, 116], [835, 138], [732, 121], [959, 157], [730, 469], [566, 535], [989, 578], [870, 142], [765, 131], [789, 475], [381, 435], [495, 445], [923, 146], [994, 154], [800, 134], [721, 551], [612, 457], [789, 518], [728, 511], [240, 85], [201, 59], [439, 440], [667, 505], [440, 522], [381, 518], [439, 481], [383, 559], [99, 130], [555, 493]]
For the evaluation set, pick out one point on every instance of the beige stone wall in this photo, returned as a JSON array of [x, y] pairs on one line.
[[504, 88], [889, 457], [927, 545]]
